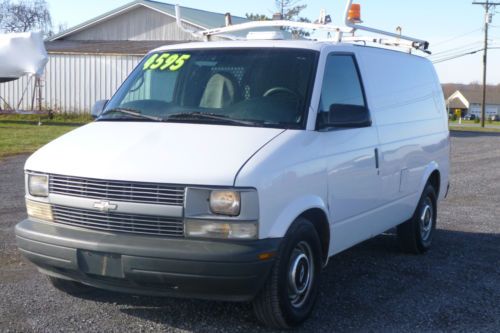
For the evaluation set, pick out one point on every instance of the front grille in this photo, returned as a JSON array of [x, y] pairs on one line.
[[130, 223], [117, 190]]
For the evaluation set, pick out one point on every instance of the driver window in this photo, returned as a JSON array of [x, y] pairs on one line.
[[341, 83]]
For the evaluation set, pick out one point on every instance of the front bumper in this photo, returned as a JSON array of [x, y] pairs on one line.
[[148, 265]]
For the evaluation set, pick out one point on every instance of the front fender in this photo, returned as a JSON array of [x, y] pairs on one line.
[[293, 210]]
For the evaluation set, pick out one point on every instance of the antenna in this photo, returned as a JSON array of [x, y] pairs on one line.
[[228, 19]]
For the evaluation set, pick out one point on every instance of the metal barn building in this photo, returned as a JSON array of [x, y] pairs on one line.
[[90, 61]]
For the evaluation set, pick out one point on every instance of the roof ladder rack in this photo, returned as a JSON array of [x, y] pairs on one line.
[[350, 27]]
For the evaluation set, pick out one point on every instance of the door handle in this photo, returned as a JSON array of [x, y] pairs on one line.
[[376, 158]]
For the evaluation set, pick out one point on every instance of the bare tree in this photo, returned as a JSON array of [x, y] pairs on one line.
[[60, 28], [3, 9], [289, 10], [257, 17], [25, 15]]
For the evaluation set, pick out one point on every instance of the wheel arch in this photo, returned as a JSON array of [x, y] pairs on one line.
[[431, 175], [435, 181], [319, 219], [313, 209]]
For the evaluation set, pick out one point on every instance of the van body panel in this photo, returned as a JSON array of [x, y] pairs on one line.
[[153, 152], [289, 170], [406, 101], [366, 179]]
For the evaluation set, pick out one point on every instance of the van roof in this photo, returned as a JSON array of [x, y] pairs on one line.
[[292, 44], [296, 44]]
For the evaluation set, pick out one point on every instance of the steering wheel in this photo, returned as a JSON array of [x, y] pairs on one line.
[[276, 90]]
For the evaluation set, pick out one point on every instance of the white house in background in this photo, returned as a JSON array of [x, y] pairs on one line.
[[469, 101], [88, 62]]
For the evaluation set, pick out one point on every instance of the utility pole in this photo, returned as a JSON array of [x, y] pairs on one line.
[[487, 20]]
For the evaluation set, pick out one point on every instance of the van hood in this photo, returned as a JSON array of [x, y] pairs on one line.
[[176, 153]]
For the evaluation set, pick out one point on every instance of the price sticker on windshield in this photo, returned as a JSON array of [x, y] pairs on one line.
[[166, 61]]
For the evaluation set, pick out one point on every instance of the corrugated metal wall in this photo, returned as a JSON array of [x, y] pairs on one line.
[[73, 82], [138, 24]]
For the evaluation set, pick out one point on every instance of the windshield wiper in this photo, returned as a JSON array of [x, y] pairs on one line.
[[134, 113], [211, 116]]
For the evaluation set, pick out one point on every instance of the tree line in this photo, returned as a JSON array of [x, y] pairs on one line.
[[34, 15], [27, 15]]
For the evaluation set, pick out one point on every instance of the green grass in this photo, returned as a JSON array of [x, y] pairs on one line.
[[57, 118], [16, 138], [474, 129], [20, 134], [487, 122]]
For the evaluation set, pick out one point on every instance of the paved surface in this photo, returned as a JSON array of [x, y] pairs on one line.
[[372, 287]]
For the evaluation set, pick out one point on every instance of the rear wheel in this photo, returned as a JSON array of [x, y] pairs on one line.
[[415, 235], [291, 291], [70, 287]]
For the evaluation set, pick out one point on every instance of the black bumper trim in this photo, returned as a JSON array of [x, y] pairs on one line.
[[148, 265]]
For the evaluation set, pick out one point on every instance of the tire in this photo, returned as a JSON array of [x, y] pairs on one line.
[[415, 235], [288, 299], [70, 287]]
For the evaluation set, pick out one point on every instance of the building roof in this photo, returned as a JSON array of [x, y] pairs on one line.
[[105, 47], [475, 96], [471, 94], [456, 103], [197, 17]]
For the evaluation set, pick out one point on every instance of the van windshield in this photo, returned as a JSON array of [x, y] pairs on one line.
[[250, 87]]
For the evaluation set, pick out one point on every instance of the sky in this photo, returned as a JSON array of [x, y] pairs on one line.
[[452, 27]]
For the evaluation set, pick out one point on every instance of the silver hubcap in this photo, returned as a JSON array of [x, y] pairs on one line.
[[300, 274], [426, 219]]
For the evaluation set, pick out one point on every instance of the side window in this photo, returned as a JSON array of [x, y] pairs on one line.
[[341, 83]]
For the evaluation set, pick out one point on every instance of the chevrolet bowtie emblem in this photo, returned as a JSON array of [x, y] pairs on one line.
[[105, 206]]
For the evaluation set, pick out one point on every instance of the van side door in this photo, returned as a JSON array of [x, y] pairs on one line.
[[351, 156]]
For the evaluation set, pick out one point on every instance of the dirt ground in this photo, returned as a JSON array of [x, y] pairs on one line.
[[371, 287]]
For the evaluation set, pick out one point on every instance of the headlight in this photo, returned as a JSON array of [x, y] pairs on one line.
[[224, 230], [39, 210], [225, 202], [38, 185]]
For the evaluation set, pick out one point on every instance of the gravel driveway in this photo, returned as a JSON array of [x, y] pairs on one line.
[[372, 287]]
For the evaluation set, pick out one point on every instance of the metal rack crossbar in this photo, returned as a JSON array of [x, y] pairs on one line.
[[350, 27]]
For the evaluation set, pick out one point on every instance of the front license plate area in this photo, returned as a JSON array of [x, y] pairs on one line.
[[100, 263]]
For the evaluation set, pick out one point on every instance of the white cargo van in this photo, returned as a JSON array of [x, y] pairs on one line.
[[233, 170]]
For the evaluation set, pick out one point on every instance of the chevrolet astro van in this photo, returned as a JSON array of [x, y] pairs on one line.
[[232, 170]]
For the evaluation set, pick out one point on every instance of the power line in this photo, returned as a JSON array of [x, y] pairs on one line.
[[456, 56], [456, 49], [452, 57], [457, 52], [487, 21], [456, 37]]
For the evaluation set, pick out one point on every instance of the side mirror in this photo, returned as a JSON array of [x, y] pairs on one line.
[[98, 108], [345, 116]]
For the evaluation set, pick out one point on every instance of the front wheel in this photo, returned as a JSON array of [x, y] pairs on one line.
[[415, 235], [291, 291]]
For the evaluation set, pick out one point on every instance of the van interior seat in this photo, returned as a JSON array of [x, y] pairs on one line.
[[220, 91]]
